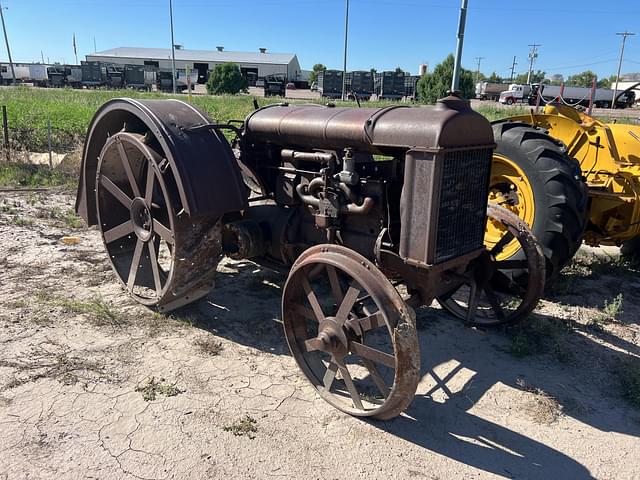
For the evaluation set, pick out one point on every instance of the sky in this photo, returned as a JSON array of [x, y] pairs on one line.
[[575, 35]]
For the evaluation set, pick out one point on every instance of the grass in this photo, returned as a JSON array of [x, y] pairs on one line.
[[152, 388], [96, 308], [209, 346], [539, 335], [611, 311], [542, 407], [67, 217], [70, 111], [246, 426], [34, 176]]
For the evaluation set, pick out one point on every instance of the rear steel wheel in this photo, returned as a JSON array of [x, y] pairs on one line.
[[351, 333], [152, 248], [495, 291]]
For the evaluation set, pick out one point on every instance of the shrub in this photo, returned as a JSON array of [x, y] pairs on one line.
[[226, 78]]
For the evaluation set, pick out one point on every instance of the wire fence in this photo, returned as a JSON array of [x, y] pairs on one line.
[[47, 146]]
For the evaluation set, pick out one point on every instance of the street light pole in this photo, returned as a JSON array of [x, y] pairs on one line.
[[173, 49], [346, 37], [624, 35], [6, 40], [479, 59], [455, 80]]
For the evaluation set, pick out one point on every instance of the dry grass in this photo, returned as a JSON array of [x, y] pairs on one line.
[[541, 407], [209, 346], [152, 388], [246, 426]]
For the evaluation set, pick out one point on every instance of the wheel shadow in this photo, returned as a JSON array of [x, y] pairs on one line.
[[461, 369]]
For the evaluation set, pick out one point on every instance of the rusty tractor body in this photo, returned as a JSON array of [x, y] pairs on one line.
[[357, 204]]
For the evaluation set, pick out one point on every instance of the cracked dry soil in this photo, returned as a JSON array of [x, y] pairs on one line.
[[94, 386]]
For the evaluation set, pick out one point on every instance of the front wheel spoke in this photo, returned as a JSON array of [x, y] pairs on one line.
[[135, 264], [118, 232], [163, 231], [370, 322], [335, 284], [494, 301], [511, 264], [304, 312], [114, 190], [376, 377], [312, 344], [347, 305], [372, 354], [127, 168], [499, 247], [313, 300], [353, 391], [474, 297], [329, 375], [153, 258], [504, 279]]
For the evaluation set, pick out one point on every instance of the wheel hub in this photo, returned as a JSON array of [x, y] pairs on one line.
[[142, 220], [333, 338]]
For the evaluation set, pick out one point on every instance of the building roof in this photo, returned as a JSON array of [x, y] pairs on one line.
[[198, 55]]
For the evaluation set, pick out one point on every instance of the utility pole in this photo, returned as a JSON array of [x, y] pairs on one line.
[[173, 49], [479, 59], [533, 54], [94, 45], [344, 65], [6, 40], [513, 67], [455, 81], [624, 36]]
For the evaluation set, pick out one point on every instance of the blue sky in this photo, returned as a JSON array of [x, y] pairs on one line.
[[575, 35]]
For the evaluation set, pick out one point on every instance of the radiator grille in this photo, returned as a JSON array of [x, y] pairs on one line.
[[463, 203]]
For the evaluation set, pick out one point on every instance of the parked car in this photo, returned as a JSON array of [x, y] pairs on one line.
[[291, 86]]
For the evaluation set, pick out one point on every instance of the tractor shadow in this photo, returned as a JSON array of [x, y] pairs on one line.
[[464, 370]]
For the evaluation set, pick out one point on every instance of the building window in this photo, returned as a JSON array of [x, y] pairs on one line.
[[151, 63]]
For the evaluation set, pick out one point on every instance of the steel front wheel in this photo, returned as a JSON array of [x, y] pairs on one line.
[[495, 291], [351, 333], [162, 259]]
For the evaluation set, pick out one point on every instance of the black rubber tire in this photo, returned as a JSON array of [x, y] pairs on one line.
[[631, 249], [560, 193]]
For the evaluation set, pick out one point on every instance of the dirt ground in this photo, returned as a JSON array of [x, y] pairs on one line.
[[95, 386]]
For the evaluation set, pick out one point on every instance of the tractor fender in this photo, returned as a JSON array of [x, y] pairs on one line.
[[208, 178]]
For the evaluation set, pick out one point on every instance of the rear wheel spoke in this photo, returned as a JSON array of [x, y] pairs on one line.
[[376, 377], [163, 231], [335, 283], [135, 264], [329, 375], [114, 190], [127, 168], [494, 301], [153, 258], [118, 232], [151, 176]]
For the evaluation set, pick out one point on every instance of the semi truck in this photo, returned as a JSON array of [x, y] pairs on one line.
[[602, 97], [515, 94], [490, 90]]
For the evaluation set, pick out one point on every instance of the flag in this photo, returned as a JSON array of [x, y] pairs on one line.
[[75, 51]]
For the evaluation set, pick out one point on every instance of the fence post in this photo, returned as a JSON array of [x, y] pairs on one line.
[[5, 129], [49, 141]]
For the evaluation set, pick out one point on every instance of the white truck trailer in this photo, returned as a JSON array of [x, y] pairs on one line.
[[602, 97], [490, 90]]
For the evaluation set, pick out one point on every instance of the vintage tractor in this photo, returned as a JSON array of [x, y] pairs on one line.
[[357, 204], [569, 177]]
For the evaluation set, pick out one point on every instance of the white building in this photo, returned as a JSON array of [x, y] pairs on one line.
[[253, 64]]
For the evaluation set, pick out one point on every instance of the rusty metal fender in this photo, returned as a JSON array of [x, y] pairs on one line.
[[207, 175]]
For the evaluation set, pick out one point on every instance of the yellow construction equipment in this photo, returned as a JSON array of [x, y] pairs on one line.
[[538, 179]]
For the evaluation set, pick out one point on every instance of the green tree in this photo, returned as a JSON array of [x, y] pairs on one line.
[[435, 85], [582, 79], [317, 68], [536, 77], [226, 78], [495, 78], [608, 82]]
